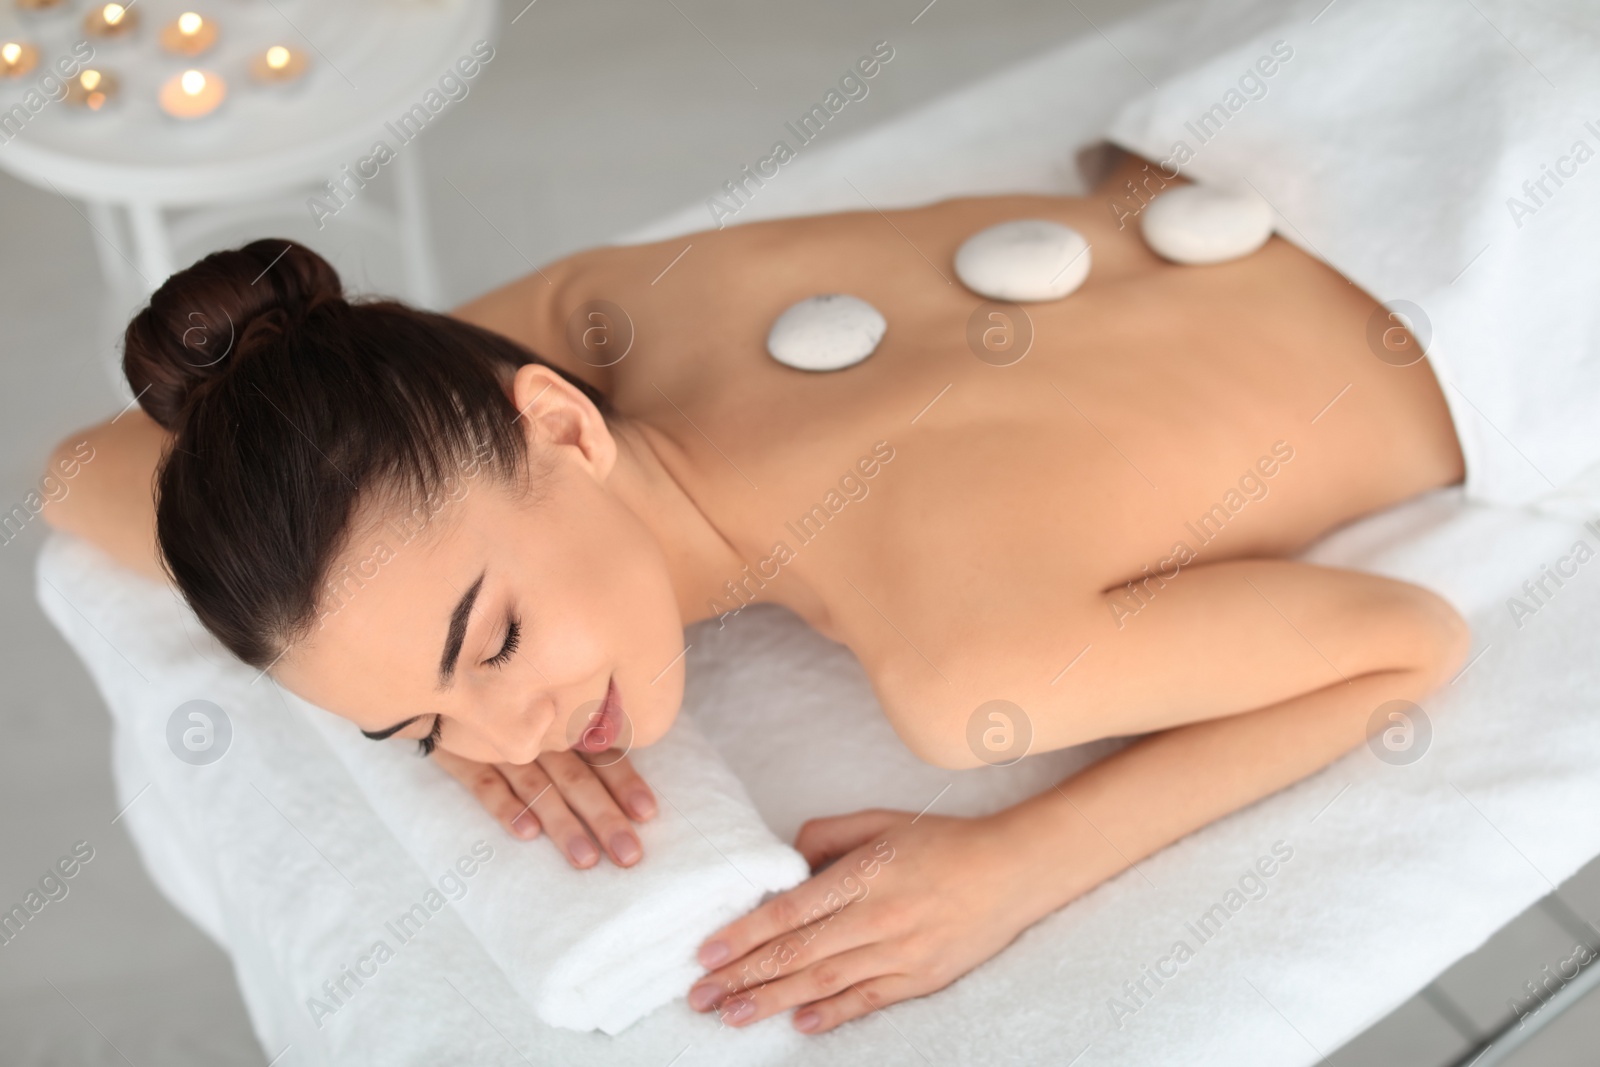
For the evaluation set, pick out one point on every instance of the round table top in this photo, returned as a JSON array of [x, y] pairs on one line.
[[370, 62]]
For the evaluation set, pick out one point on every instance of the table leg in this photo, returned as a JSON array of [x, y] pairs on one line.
[[152, 246], [416, 240], [108, 245]]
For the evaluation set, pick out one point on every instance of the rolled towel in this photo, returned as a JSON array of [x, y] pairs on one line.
[[594, 949]]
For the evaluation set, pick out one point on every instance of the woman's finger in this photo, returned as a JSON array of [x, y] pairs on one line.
[[565, 829], [820, 981], [814, 946], [810, 902], [529, 783], [630, 790], [860, 998], [588, 797], [821, 841], [493, 792]]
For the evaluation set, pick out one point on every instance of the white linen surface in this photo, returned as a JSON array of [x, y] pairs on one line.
[[1395, 871]]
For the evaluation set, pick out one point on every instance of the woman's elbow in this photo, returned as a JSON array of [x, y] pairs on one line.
[[953, 737], [1440, 638], [102, 479], [945, 752]]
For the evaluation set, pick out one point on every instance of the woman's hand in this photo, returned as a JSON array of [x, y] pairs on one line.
[[574, 800], [906, 906]]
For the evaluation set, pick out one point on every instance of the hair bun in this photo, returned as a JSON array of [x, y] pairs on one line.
[[204, 319]]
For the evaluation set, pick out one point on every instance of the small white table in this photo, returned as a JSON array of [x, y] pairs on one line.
[[266, 149]]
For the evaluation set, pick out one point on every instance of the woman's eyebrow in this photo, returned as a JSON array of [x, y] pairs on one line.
[[453, 640], [457, 632], [382, 735]]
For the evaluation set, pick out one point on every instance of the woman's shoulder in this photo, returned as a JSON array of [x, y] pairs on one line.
[[532, 311]]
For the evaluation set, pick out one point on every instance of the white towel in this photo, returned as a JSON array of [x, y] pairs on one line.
[[592, 949], [1416, 148]]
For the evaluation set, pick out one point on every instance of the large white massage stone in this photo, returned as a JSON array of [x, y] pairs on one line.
[[828, 332], [1024, 261], [1200, 224]]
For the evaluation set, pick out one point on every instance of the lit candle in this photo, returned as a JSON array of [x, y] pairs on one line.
[[278, 64], [189, 34], [192, 94], [110, 20], [92, 89], [16, 59]]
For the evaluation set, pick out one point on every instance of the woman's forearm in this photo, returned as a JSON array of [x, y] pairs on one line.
[[1141, 799]]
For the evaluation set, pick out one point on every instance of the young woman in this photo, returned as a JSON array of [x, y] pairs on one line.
[[1096, 533]]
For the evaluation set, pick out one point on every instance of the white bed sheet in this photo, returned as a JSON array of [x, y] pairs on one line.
[[1396, 871]]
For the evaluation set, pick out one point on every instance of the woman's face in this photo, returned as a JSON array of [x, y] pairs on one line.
[[502, 624]]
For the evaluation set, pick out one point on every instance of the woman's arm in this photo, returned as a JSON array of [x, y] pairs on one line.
[[911, 903], [1211, 641], [111, 503]]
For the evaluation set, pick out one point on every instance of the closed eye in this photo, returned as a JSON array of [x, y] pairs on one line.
[[426, 745], [513, 636]]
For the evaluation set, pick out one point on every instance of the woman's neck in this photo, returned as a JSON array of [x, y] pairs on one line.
[[700, 559]]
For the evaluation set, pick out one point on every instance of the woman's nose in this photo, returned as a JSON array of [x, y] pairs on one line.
[[518, 735], [518, 753]]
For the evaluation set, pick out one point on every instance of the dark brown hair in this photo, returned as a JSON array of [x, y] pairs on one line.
[[290, 406]]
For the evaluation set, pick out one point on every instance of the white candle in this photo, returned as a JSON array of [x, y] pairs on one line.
[[278, 64], [16, 59], [92, 89], [110, 20], [189, 34], [193, 94]]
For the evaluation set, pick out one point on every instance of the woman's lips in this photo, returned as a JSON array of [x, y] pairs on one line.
[[605, 725]]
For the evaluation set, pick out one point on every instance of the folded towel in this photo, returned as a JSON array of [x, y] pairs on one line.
[[598, 948]]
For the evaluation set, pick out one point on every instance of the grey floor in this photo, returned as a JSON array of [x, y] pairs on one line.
[[594, 118]]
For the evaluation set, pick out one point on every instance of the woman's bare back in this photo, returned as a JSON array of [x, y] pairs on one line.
[[1015, 494]]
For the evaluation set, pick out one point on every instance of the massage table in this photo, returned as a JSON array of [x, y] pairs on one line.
[[1383, 872]]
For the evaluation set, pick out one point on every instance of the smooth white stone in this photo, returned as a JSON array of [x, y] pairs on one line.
[[1200, 224], [1024, 261], [828, 332]]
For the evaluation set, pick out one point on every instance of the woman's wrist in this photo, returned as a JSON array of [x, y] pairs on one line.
[[1059, 851]]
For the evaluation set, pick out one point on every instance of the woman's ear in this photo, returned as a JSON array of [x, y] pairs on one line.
[[555, 414]]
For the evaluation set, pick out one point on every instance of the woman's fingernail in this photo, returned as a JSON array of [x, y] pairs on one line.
[[703, 996], [714, 954], [625, 848], [524, 826], [582, 851], [643, 804], [740, 1012], [807, 1021]]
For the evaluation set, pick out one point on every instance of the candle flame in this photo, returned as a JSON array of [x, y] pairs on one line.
[[112, 13], [89, 79], [10, 51], [189, 23], [193, 82], [277, 57]]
